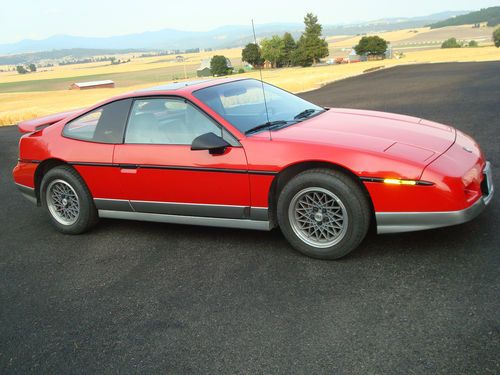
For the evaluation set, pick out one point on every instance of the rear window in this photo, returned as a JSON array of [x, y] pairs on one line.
[[105, 124]]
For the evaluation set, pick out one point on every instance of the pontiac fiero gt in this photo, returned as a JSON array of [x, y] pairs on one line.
[[244, 154]]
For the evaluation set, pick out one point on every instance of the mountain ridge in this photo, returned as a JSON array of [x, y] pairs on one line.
[[221, 37]]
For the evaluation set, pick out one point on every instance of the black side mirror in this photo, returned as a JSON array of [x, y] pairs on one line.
[[211, 142]]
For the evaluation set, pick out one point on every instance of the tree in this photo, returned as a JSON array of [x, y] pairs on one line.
[[219, 67], [273, 50], [496, 37], [32, 67], [473, 43], [300, 55], [310, 47], [371, 45], [451, 43], [21, 69], [288, 50], [251, 54]]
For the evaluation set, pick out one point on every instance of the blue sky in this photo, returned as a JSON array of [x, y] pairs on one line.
[[36, 19]]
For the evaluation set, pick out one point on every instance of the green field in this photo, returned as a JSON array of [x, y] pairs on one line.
[[121, 79]]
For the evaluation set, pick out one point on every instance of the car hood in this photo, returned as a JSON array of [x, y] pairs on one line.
[[401, 136]]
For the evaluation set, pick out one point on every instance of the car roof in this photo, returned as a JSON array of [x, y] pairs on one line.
[[184, 86]]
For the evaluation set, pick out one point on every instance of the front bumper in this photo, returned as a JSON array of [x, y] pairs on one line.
[[396, 222]]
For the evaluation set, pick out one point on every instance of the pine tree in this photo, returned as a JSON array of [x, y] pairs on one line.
[[289, 48], [311, 47]]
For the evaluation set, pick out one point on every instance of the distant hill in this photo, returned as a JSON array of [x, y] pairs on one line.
[[222, 37], [76, 53], [490, 15]]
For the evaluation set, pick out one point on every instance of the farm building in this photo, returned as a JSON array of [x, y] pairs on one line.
[[204, 69], [267, 65], [92, 85], [354, 57], [388, 52]]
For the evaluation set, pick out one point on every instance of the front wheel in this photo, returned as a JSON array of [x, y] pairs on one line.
[[323, 213], [67, 200]]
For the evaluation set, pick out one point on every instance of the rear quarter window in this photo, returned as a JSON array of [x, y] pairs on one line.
[[105, 124]]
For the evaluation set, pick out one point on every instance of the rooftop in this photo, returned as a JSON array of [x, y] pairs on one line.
[[174, 85], [94, 83]]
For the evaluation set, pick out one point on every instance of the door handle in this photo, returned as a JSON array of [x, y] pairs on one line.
[[128, 168]]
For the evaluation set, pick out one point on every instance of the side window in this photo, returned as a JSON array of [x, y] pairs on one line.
[[105, 124], [167, 121]]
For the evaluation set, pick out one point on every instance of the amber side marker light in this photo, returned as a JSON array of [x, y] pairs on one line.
[[395, 181]]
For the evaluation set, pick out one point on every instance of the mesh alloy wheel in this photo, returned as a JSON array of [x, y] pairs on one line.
[[318, 217], [62, 202]]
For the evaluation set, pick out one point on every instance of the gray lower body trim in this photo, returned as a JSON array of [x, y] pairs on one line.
[[215, 215], [183, 209], [190, 220], [28, 192], [113, 204], [396, 222], [186, 209], [259, 213]]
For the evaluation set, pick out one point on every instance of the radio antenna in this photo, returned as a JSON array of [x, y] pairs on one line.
[[261, 81]]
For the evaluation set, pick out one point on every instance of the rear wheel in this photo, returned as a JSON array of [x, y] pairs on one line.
[[323, 213], [67, 200]]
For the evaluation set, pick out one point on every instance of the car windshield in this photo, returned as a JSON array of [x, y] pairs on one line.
[[242, 104]]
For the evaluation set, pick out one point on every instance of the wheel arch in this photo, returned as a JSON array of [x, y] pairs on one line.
[[285, 175], [41, 170]]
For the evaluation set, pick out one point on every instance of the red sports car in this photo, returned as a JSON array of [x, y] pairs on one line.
[[245, 154]]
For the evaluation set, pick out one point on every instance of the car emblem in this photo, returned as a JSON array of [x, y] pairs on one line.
[[467, 149]]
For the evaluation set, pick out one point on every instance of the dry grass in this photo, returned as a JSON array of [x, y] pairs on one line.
[[390, 36], [15, 107]]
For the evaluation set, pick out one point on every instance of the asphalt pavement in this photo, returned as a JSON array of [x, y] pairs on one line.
[[147, 297]]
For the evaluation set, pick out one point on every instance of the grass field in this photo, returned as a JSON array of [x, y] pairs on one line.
[[37, 94]]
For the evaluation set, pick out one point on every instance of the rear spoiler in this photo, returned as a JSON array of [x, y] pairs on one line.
[[33, 125]]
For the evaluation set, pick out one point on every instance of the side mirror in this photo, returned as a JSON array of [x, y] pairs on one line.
[[211, 142]]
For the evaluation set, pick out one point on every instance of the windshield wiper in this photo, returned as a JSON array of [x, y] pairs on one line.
[[305, 113], [267, 125]]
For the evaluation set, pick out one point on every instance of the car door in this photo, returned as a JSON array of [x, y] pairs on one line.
[[159, 172]]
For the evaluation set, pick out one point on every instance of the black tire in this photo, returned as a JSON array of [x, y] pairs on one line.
[[338, 187], [87, 215]]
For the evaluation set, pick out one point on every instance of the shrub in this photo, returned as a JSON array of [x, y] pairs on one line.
[[496, 37], [21, 69], [218, 66], [451, 43]]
